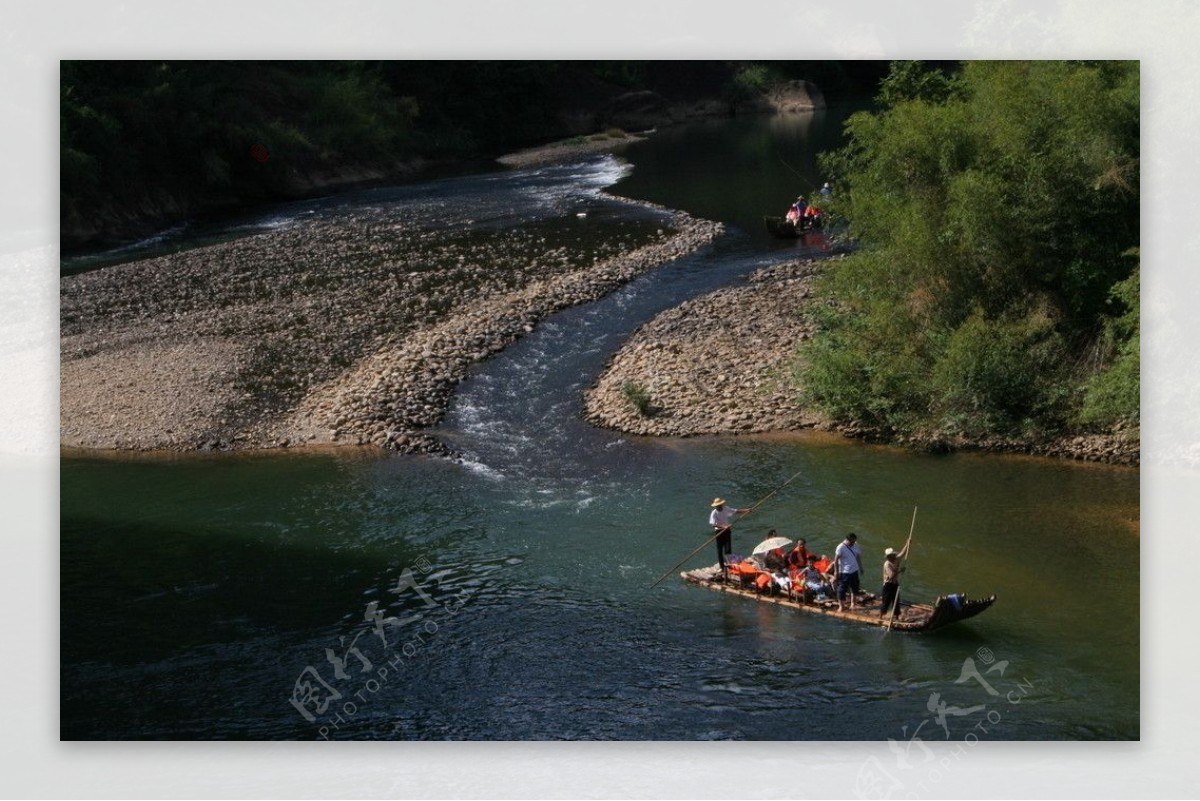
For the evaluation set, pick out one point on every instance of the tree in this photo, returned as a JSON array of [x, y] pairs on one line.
[[994, 207]]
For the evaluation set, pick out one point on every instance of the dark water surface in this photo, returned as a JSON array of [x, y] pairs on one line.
[[505, 597]]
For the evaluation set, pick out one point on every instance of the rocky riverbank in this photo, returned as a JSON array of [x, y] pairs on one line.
[[723, 363], [720, 363], [349, 331], [612, 141]]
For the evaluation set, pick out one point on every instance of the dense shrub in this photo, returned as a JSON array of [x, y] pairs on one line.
[[1112, 394], [998, 376], [994, 207]]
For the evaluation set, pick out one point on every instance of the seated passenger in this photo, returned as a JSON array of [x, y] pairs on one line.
[[798, 557], [813, 581], [775, 559]]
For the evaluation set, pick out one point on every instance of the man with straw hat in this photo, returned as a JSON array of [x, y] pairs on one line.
[[721, 520], [891, 580]]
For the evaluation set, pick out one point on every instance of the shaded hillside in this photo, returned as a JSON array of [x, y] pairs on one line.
[[148, 143]]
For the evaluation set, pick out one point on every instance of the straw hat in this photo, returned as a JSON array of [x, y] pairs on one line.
[[718, 502], [889, 551]]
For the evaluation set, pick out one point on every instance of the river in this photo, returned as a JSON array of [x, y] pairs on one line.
[[353, 594]]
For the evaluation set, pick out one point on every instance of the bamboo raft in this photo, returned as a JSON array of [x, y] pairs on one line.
[[942, 612], [781, 228]]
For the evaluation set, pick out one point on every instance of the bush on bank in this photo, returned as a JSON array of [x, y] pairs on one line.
[[996, 291]]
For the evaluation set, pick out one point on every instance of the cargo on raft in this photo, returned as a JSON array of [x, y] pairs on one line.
[[946, 609]]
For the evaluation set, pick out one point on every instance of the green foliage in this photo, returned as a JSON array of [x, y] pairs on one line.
[[352, 113], [1112, 394], [915, 80], [750, 80], [474, 107], [995, 207], [638, 396], [186, 129], [627, 74], [998, 376]]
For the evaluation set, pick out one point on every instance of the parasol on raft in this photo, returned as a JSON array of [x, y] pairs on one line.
[[771, 544]]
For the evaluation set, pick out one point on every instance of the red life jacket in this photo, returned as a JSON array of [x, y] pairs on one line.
[[798, 557]]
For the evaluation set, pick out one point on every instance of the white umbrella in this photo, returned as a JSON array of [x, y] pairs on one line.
[[771, 544]]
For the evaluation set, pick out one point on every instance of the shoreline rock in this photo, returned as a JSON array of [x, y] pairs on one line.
[[568, 149], [716, 364]]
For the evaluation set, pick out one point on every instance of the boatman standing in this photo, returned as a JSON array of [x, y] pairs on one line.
[[891, 580], [721, 520]]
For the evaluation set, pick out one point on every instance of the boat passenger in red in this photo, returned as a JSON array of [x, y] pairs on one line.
[[798, 558]]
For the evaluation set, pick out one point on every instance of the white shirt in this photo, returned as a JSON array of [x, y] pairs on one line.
[[720, 518], [847, 557], [810, 575]]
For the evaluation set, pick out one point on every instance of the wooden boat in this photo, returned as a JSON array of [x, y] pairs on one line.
[[781, 228], [945, 610]]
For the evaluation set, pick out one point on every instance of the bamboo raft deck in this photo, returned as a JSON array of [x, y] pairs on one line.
[[912, 618], [781, 228]]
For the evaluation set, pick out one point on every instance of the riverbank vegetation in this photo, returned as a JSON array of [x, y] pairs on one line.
[[996, 290], [149, 143]]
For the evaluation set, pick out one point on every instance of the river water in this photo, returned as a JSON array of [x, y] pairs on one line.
[[354, 594]]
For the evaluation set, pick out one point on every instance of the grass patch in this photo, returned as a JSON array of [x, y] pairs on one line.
[[638, 397]]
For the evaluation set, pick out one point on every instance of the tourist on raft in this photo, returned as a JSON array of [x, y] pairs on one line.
[[847, 565], [795, 212], [721, 520], [797, 559], [810, 580], [775, 559], [891, 580]]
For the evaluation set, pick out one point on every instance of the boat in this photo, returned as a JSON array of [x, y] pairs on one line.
[[782, 228], [913, 617]]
